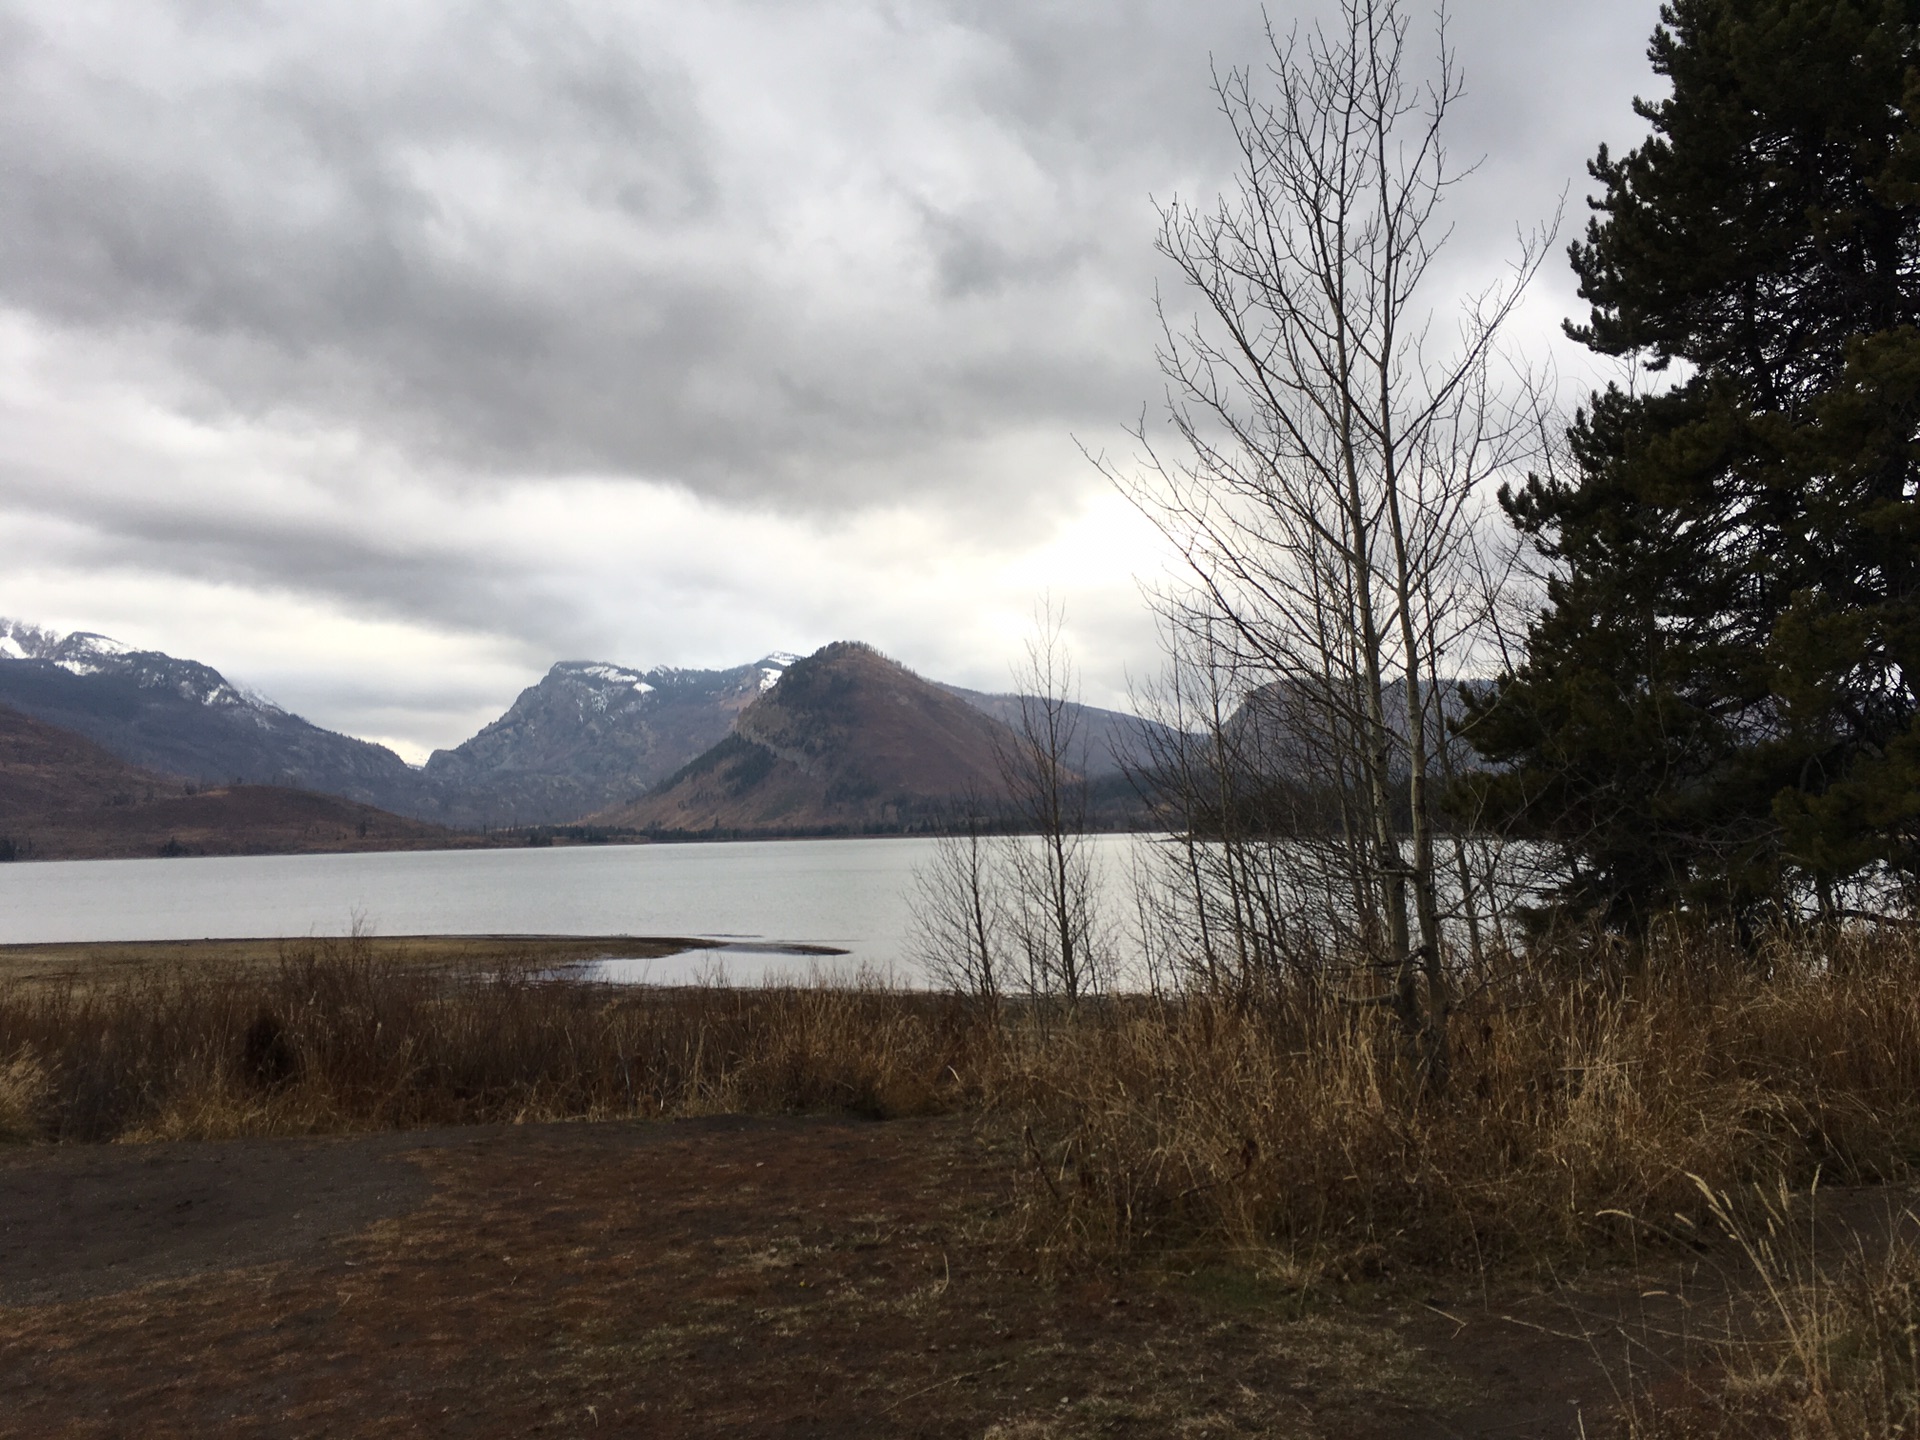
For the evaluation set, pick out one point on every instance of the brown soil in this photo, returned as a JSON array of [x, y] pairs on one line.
[[706, 1277], [80, 1222]]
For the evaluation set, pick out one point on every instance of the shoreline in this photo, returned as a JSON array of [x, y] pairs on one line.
[[95, 960], [532, 838]]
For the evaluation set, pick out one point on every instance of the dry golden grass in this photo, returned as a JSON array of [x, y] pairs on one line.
[[1295, 1131], [23, 1087], [342, 1035], [1289, 1132], [1819, 1339]]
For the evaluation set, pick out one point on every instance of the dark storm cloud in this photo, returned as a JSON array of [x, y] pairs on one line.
[[347, 552], [731, 246]]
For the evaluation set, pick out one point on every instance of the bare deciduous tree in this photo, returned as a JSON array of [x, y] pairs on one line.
[[1043, 765], [1331, 456], [959, 908], [997, 912]]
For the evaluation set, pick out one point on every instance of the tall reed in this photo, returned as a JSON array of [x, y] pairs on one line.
[[1291, 1127], [1300, 1126]]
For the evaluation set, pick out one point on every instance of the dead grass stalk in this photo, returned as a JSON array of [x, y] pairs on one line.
[[1287, 1129]]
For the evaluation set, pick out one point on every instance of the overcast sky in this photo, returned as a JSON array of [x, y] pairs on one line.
[[382, 355]]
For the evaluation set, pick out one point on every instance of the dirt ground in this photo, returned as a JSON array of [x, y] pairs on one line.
[[805, 1277]]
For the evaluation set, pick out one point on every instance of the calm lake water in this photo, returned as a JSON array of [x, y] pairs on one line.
[[851, 894]]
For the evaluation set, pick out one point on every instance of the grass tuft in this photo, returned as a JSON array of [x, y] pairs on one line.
[[1812, 1347]]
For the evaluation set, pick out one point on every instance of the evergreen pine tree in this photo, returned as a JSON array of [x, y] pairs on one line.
[[1718, 703]]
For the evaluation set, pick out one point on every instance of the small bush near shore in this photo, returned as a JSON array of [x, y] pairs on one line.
[[1288, 1128]]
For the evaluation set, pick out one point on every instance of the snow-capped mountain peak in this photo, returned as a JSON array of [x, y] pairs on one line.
[[185, 718], [21, 641], [86, 653]]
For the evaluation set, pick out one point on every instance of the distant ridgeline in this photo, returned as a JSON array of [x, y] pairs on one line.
[[64, 797], [845, 741]]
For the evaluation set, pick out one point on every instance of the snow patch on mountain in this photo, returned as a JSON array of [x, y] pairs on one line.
[[615, 675], [619, 675], [21, 641], [773, 667], [257, 699], [86, 653]]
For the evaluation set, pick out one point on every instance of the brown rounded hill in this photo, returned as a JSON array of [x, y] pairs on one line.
[[64, 797], [847, 740]]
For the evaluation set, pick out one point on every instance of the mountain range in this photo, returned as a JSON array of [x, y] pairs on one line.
[[64, 797], [845, 739], [182, 718], [587, 737]]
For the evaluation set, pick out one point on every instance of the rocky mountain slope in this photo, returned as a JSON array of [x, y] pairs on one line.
[[587, 737], [183, 718], [1278, 731], [64, 797], [848, 740], [1108, 743]]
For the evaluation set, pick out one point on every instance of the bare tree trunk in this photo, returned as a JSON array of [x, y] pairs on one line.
[[959, 910], [1044, 773], [1325, 497]]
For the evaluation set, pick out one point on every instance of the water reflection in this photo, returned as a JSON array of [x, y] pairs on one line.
[[735, 963]]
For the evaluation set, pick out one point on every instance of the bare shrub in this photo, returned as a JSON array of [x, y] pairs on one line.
[[960, 928], [1051, 898]]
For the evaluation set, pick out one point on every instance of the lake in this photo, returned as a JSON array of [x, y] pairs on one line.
[[851, 894]]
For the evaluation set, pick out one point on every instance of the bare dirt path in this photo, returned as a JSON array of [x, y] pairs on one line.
[[81, 1221], [696, 1278]]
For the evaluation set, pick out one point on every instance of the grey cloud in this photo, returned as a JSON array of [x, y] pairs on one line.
[[308, 214], [285, 216], [812, 256], [363, 569]]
